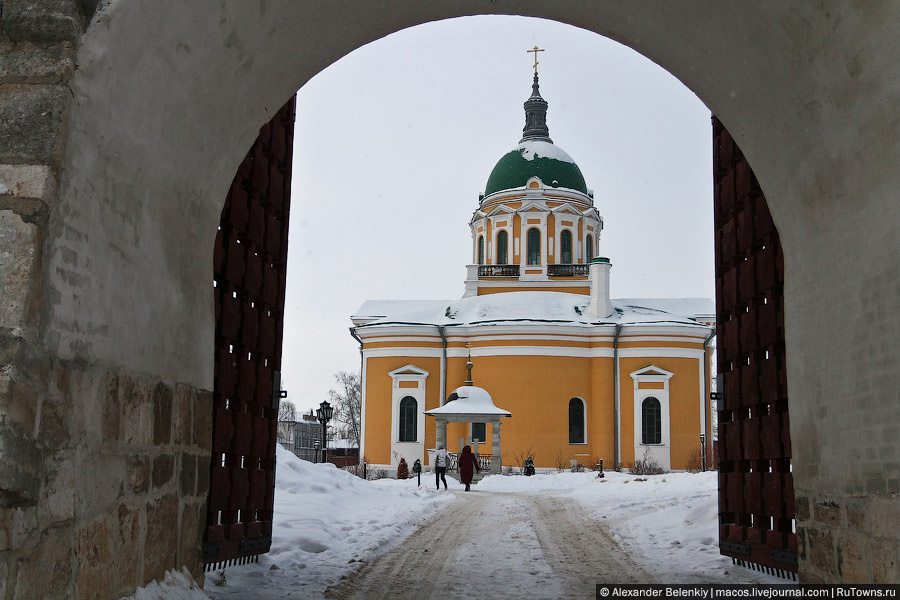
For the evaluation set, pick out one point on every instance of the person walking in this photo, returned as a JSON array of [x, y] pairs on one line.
[[441, 460], [467, 462]]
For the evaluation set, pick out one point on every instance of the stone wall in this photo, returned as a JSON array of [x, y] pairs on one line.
[[110, 489], [106, 300], [103, 474]]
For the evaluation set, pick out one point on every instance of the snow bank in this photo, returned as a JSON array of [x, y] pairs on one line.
[[326, 521], [175, 586]]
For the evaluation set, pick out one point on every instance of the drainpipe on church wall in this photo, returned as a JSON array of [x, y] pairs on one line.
[[362, 397], [443, 365], [617, 426], [705, 424]]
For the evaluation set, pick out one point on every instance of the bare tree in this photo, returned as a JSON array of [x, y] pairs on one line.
[[287, 411], [347, 403], [287, 415]]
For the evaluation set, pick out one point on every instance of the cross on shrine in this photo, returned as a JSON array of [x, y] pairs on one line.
[[535, 50]]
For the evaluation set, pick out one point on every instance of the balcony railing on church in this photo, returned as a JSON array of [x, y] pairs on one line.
[[567, 270], [498, 270]]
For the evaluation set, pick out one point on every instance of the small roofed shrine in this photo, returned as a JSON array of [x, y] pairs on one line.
[[470, 404]]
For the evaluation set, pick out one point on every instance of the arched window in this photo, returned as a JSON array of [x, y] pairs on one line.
[[651, 421], [408, 419], [534, 246], [589, 248], [576, 421], [502, 248], [565, 243], [480, 249]]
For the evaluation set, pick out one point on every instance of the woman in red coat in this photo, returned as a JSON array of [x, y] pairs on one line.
[[467, 461]]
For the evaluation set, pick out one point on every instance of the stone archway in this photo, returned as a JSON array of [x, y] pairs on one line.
[[107, 307]]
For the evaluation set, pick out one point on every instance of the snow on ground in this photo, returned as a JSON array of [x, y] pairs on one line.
[[667, 522], [327, 520]]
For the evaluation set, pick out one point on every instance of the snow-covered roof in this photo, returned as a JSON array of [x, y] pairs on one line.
[[506, 307], [536, 148], [471, 400]]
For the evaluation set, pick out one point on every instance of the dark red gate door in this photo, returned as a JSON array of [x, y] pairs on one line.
[[250, 268], [756, 488]]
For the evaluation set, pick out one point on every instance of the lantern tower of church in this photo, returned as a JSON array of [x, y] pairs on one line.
[[536, 227]]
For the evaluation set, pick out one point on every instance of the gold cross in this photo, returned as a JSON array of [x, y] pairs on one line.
[[535, 50]]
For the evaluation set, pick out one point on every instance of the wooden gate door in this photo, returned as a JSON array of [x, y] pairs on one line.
[[756, 489], [250, 267]]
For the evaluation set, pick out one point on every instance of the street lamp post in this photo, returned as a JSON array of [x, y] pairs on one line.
[[703, 452], [323, 415]]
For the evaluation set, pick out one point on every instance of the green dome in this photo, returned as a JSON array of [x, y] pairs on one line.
[[533, 158]]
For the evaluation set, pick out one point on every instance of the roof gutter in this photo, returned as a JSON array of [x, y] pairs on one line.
[[618, 434]]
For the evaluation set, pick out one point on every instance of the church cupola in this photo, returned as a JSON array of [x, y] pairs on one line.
[[536, 227], [536, 116]]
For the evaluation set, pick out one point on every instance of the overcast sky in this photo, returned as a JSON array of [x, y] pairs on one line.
[[395, 141]]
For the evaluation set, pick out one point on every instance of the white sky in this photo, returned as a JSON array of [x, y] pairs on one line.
[[395, 141]]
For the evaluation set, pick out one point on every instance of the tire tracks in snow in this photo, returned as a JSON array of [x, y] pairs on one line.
[[498, 545]]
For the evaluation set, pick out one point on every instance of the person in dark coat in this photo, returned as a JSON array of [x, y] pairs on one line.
[[467, 461]]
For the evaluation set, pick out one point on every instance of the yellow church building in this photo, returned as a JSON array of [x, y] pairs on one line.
[[571, 374]]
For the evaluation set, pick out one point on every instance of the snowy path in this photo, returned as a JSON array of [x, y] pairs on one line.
[[498, 545]]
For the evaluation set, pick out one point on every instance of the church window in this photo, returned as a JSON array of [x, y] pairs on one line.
[[408, 418], [651, 421], [478, 432], [534, 246], [480, 249], [565, 243], [576, 421], [502, 248], [589, 248]]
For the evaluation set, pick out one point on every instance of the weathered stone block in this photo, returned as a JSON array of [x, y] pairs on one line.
[[184, 396], [139, 470], [883, 516], [135, 395], [30, 121], [801, 508], [885, 555], [188, 475], [112, 410], [18, 402], [203, 420], [24, 522], [820, 550], [28, 63], [20, 479], [203, 475], [856, 515], [163, 467], [27, 181], [59, 489], [42, 20], [19, 254], [160, 545], [128, 545], [853, 563], [94, 549], [45, 572], [54, 427], [827, 513], [189, 543], [162, 414]]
